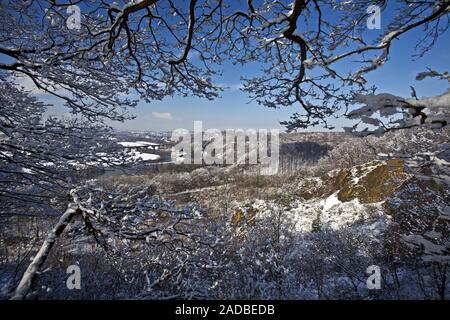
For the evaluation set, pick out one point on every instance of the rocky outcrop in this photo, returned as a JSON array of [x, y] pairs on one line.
[[372, 182], [369, 183]]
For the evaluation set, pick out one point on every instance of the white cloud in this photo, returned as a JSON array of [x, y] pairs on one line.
[[162, 115]]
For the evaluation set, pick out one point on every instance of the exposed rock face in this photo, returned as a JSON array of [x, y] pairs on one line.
[[370, 183]]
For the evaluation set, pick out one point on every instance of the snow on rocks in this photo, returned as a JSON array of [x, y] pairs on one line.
[[333, 213], [343, 199], [331, 201]]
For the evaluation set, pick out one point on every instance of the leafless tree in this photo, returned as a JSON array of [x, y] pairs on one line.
[[157, 48], [39, 158], [120, 218]]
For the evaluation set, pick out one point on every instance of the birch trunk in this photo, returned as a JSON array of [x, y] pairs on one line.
[[24, 287]]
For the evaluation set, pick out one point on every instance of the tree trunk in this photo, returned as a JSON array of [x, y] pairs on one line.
[[24, 287]]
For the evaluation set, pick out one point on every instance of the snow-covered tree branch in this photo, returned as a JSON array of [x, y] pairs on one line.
[[40, 157], [121, 219], [156, 48]]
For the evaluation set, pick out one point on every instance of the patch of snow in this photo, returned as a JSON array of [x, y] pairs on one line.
[[137, 144], [331, 201], [145, 156]]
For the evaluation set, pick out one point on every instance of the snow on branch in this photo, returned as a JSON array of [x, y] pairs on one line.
[[386, 112], [120, 217]]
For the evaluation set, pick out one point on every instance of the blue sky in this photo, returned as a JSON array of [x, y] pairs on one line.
[[233, 110]]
